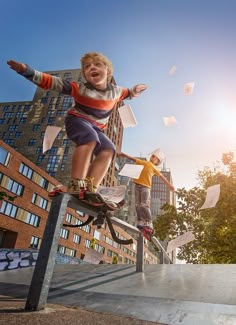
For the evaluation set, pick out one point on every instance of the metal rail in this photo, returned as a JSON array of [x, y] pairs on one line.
[[40, 283]]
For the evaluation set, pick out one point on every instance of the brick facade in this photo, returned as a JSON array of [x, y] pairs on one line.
[[22, 221]]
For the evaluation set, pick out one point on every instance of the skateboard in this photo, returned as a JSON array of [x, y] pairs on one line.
[[99, 207]]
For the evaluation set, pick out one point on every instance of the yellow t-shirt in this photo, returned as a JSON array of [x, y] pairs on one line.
[[148, 171]]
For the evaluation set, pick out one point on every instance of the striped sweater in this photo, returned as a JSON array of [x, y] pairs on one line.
[[90, 103]]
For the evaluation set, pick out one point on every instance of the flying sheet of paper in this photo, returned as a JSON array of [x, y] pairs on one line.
[[180, 241], [212, 197], [92, 256], [188, 88], [131, 170], [49, 137], [127, 116], [169, 120], [172, 70], [112, 193]]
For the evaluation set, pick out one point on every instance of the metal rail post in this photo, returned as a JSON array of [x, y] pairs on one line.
[[140, 254], [39, 287]]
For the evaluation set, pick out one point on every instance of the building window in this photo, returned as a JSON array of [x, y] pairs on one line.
[[35, 242], [69, 217], [40, 159], [67, 102], [87, 243], [19, 114], [44, 100], [61, 249], [18, 134], [36, 127], [66, 142], [39, 150], [10, 142], [12, 127], [22, 120], [53, 150], [2, 120], [15, 187], [31, 142], [64, 233], [109, 253], [32, 219], [76, 239], [8, 114], [40, 201], [27, 108], [26, 171], [4, 156], [51, 120], [53, 163], [86, 228], [99, 249], [9, 209], [96, 234]]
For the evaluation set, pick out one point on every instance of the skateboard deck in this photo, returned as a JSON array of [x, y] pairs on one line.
[[93, 199]]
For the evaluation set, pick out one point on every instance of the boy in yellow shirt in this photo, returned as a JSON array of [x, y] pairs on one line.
[[143, 190]]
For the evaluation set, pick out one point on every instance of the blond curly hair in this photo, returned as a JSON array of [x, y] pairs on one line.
[[97, 57]]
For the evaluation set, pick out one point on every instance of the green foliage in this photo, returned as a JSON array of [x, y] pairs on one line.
[[4, 195], [214, 229]]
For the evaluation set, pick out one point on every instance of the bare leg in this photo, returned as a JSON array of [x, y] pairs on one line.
[[100, 166], [81, 160]]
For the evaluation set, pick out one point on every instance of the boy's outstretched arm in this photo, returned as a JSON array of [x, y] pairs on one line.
[[17, 66], [121, 154], [171, 187], [42, 79], [136, 90]]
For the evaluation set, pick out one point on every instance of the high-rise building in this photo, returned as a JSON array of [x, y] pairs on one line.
[[23, 126]]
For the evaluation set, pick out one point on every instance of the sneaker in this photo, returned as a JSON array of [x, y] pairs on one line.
[[89, 184], [81, 188], [77, 186], [142, 223]]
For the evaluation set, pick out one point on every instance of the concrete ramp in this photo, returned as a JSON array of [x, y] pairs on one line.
[[168, 294]]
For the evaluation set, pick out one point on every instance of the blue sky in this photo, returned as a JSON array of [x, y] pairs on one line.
[[143, 39]]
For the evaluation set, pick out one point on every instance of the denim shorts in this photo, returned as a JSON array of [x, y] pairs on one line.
[[82, 131]]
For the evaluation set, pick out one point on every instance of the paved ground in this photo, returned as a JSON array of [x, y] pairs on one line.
[[12, 312], [117, 294]]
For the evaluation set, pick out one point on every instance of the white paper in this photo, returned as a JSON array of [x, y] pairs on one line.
[[180, 241], [169, 120], [112, 193], [131, 170], [212, 197], [92, 256], [127, 116], [188, 88], [172, 70], [50, 135]]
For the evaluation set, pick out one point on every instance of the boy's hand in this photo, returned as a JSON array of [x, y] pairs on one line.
[[17, 66], [172, 188], [136, 90]]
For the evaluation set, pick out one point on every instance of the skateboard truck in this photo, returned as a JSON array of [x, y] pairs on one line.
[[99, 221]]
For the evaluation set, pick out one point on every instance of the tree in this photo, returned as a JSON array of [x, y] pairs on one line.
[[214, 229]]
